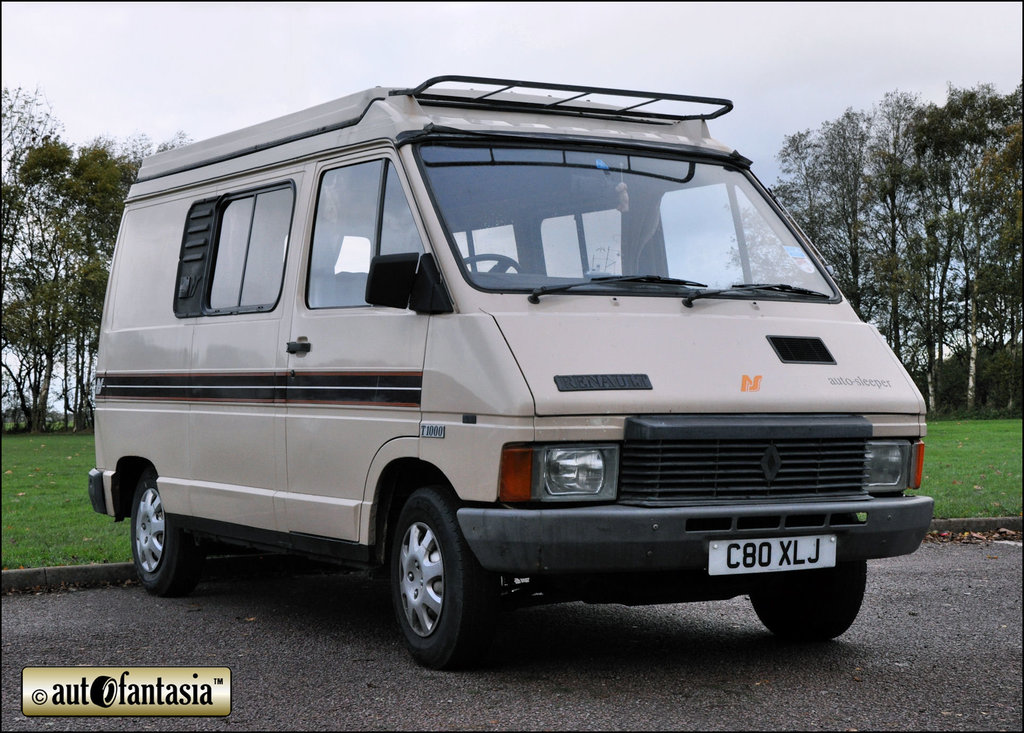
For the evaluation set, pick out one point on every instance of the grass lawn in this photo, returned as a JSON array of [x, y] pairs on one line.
[[972, 469], [47, 517]]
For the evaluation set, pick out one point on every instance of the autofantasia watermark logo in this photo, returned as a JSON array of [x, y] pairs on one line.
[[111, 691]]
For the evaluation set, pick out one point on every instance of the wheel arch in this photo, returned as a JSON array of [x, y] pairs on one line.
[[126, 477], [397, 481]]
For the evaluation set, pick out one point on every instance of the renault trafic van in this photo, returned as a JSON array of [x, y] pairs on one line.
[[509, 342]]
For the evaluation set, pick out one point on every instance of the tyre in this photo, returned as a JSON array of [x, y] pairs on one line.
[[445, 603], [812, 606], [167, 560]]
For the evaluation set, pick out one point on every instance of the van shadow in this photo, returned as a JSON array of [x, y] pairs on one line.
[[354, 610], [670, 637]]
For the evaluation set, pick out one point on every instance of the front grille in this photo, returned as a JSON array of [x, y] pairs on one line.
[[683, 471]]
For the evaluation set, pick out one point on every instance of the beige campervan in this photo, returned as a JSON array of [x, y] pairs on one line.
[[508, 342]]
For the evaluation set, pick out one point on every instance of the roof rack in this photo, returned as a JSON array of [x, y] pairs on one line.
[[507, 95]]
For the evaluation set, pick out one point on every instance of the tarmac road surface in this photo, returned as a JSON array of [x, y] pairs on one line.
[[937, 646]]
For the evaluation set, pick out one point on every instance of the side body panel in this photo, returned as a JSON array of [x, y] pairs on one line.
[[142, 344]]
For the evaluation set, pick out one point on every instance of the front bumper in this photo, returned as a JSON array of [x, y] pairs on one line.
[[617, 538]]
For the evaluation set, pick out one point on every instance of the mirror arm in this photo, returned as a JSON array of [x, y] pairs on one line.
[[429, 294], [407, 280]]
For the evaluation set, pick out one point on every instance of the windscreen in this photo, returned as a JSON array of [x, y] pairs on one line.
[[527, 218]]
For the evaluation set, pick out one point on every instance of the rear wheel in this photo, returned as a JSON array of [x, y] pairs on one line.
[[812, 606], [444, 602], [167, 560]]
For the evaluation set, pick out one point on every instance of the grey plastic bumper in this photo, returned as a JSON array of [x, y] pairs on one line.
[[615, 538], [96, 493]]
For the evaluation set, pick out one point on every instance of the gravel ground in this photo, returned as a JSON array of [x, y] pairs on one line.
[[937, 646]]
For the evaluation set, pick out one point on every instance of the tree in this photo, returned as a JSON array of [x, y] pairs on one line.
[[890, 212], [62, 210], [996, 199], [826, 197], [953, 141], [802, 192], [918, 208], [99, 181], [37, 314], [27, 123]]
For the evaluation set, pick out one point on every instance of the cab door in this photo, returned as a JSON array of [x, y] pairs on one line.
[[354, 370]]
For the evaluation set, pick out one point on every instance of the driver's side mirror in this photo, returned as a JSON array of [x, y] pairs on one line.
[[407, 280]]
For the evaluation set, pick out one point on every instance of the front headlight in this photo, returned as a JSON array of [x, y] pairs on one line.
[[887, 466], [576, 472], [563, 472]]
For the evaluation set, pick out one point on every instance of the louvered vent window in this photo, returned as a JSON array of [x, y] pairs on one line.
[[195, 247]]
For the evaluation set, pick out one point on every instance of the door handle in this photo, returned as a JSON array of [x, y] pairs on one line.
[[298, 347]]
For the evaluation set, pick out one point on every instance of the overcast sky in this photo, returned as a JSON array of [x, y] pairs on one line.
[[120, 69]]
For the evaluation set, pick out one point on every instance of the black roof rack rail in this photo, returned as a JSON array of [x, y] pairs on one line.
[[581, 100]]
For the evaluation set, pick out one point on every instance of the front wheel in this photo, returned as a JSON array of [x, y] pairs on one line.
[[445, 603], [816, 605], [167, 560]]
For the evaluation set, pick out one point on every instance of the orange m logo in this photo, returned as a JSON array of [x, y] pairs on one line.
[[751, 384]]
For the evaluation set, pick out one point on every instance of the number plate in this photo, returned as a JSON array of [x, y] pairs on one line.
[[777, 554]]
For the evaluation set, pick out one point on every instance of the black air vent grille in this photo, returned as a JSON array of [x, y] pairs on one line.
[[799, 350]]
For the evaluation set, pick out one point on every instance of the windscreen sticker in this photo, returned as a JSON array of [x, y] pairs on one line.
[[800, 258]]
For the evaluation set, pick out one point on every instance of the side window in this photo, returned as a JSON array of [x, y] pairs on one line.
[[476, 245], [603, 230], [700, 232], [398, 232], [560, 238], [245, 237], [356, 218], [593, 238], [251, 242], [232, 247]]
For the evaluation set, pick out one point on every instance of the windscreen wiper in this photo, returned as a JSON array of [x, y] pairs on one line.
[[534, 296], [748, 287]]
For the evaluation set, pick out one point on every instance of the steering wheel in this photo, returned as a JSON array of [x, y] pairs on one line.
[[501, 262]]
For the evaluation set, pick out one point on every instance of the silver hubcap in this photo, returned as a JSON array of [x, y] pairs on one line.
[[149, 530], [422, 581]]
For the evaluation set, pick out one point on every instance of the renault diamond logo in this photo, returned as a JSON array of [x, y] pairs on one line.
[[771, 462]]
